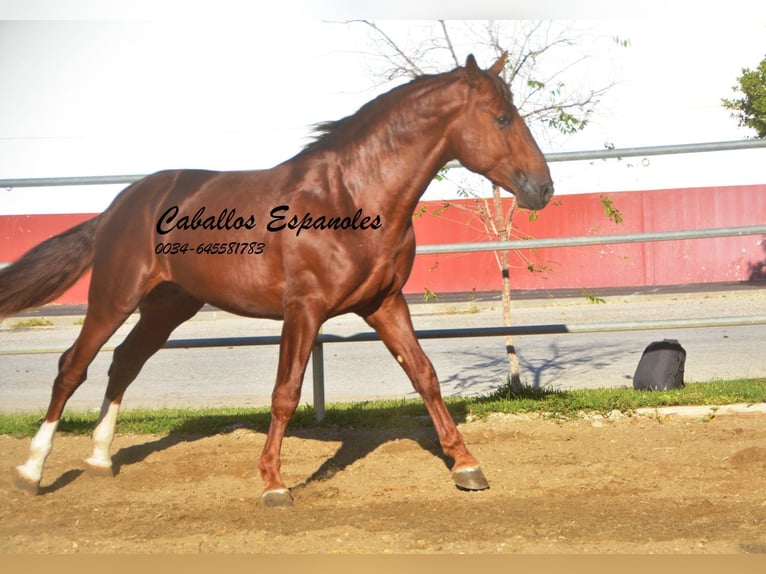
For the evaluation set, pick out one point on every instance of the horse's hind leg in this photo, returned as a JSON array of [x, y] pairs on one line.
[[162, 311], [99, 325], [392, 322]]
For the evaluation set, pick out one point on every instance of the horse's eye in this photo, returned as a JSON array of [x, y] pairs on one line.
[[503, 121]]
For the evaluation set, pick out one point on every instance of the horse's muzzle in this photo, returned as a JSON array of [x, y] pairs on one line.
[[533, 195]]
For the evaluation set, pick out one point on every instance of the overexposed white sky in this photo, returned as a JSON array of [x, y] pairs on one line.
[[117, 96]]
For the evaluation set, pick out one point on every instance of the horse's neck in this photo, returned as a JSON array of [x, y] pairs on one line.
[[392, 166]]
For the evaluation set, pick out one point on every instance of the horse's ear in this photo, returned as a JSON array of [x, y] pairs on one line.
[[497, 67], [472, 68]]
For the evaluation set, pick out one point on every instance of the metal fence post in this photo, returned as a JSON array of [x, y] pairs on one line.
[[317, 367]]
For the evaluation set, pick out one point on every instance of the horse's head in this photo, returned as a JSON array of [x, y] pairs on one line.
[[492, 139]]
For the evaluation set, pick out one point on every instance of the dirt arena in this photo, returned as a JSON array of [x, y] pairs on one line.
[[642, 484]]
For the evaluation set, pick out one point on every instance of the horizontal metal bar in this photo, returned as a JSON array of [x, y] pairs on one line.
[[550, 157], [656, 150], [591, 240], [467, 333], [48, 350], [584, 240], [70, 181], [673, 149]]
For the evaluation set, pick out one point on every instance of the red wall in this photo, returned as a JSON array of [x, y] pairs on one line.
[[658, 263], [19, 233], [655, 263]]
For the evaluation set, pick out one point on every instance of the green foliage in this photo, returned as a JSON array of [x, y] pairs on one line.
[[610, 210], [566, 122], [538, 268], [591, 297], [30, 323], [440, 210], [750, 109], [573, 404]]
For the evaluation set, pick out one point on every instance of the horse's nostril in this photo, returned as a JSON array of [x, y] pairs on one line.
[[548, 191]]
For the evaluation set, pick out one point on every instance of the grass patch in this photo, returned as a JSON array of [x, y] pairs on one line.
[[472, 309], [30, 323], [402, 413], [626, 400]]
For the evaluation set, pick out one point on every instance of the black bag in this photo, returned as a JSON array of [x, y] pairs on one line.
[[661, 367]]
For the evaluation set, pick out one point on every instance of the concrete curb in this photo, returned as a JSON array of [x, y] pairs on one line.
[[467, 303], [573, 299], [703, 411]]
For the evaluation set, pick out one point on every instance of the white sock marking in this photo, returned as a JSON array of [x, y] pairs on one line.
[[103, 435], [39, 449]]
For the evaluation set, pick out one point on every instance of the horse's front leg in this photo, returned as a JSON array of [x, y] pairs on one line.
[[393, 323], [301, 326]]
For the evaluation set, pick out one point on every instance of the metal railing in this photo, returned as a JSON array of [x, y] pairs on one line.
[[322, 339], [578, 241], [611, 153]]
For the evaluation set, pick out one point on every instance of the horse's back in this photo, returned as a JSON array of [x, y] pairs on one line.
[[247, 241]]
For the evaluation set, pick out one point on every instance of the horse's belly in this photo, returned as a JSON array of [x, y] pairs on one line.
[[239, 280]]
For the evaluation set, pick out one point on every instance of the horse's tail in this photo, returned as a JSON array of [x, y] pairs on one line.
[[47, 270]]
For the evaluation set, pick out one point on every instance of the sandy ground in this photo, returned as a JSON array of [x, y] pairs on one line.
[[641, 484]]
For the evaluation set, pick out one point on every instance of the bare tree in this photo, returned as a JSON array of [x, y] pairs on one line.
[[544, 58], [545, 65]]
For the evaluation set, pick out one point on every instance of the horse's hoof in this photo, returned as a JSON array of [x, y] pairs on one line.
[[279, 498], [95, 469], [23, 482], [470, 479]]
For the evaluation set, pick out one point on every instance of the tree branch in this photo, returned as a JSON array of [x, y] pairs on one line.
[[413, 69], [448, 40]]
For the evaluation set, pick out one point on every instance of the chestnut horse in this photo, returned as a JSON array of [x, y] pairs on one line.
[[327, 232]]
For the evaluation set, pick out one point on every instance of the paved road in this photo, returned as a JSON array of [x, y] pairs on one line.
[[244, 376]]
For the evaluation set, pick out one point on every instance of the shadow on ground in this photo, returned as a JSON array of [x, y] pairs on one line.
[[360, 429]]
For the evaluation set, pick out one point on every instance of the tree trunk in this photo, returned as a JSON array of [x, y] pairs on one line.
[[503, 226]]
